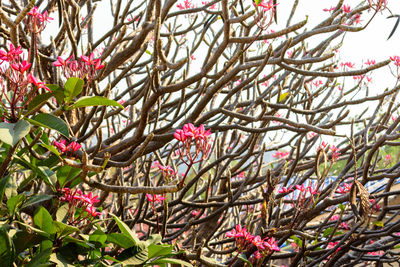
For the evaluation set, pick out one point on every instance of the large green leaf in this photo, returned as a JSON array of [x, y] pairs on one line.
[[73, 87], [63, 229], [14, 202], [48, 176], [40, 258], [125, 230], [35, 199], [133, 256], [38, 101], [66, 174], [88, 101], [120, 240], [43, 220], [7, 250], [62, 212], [60, 261], [172, 261], [159, 250], [11, 133], [98, 238], [23, 240], [51, 122], [58, 92], [3, 185]]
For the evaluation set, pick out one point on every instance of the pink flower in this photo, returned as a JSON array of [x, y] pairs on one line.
[[36, 22], [60, 145], [92, 211], [329, 9], [195, 213], [186, 5], [155, 198], [37, 83], [346, 9], [334, 218], [285, 190], [267, 6], [190, 136], [335, 153], [301, 188], [345, 189], [370, 62], [21, 67], [73, 147], [280, 154], [347, 64]]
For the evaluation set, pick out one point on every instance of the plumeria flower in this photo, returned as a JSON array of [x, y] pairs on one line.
[[37, 82], [346, 9], [345, 189], [155, 198]]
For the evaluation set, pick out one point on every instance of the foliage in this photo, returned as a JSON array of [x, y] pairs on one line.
[[227, 140]]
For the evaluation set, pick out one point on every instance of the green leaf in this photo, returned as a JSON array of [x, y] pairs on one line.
[[133, 256], [181, 262], [39, 258], [98, 237], [66, 174], [148, 52], [36, 199], [61, 214], [283, 96], [328, 232], [48, 176], [258, 2], [342, 207], [159, 250], [88, 101], [63, 229], [52, 149], [154, 239], [7, 250], [38, 101], [43, 220], [378, 223], [297, 240], [11, 133], [14, 202], [125, 230], [60, 261], [120, 240], [3, 184], [51, 122], [58, 92], [23, 240], [73, 87], [31, 228]]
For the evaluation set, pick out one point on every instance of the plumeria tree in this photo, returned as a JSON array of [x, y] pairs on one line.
[[199, 133]]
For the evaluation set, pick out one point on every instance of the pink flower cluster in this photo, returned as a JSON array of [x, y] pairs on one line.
[[192, 135], [155, 198], [280, 154], [347, 64], [17, 84], [71, 148], [36, 21], [83, 67], [244, 240], [267, 6], [345, 189], [342, 225], [186, 5], [81, 208]]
